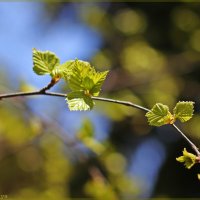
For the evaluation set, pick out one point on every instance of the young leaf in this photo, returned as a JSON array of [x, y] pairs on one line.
[[63, 70], [88, 83], [79, 71], [184, 110], [78, 100], [84, 77], [187, 158], [44, 62], [159, 115]]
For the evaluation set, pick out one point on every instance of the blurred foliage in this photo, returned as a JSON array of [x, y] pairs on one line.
[[153, 53]]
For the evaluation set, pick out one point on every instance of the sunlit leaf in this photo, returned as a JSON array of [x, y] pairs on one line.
[[88, 83], [78, 100], [159, 115], [184, 110], [63, 70], [187, 158], [44, 62], [83, 76], [80, 70]]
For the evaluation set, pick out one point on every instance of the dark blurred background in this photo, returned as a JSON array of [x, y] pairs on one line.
[[153, 53]]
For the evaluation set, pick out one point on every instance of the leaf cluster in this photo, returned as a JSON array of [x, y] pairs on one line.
[[160, 115], [83, 80]]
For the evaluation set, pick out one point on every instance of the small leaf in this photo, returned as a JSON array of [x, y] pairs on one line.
[[78, 100], [187, 158], [44, 62], [159, 115], [79, 70], [64, 69], [184, 110], [84, 77]]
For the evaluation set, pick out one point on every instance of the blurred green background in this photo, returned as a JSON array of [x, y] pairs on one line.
[[153, 53]]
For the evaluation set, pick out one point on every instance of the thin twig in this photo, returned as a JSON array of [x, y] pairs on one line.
[[51, 84], [188, 140], [17, 94], [125, 103], [44, 91]]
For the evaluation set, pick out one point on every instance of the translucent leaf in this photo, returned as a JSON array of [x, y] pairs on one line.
[[184, 110], [64, 69], [78, 100], [187, 158], [44, 62], [159, 115], [83, 76], [79, 71]]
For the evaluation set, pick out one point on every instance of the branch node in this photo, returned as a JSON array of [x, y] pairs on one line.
[[54, 80]]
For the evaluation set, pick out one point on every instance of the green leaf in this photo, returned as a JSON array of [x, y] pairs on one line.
[[44, 62], [184, 110], [159, 115], [64, 69], [83, 76], [84, 82], [188, 159], [88, 83], [79, 70], [78, 100]]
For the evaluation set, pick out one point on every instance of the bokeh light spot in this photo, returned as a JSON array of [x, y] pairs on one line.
[[115, 163], [185, 19], [130, 22]]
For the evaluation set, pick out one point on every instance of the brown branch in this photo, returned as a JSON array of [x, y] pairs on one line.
[[43, 91]]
